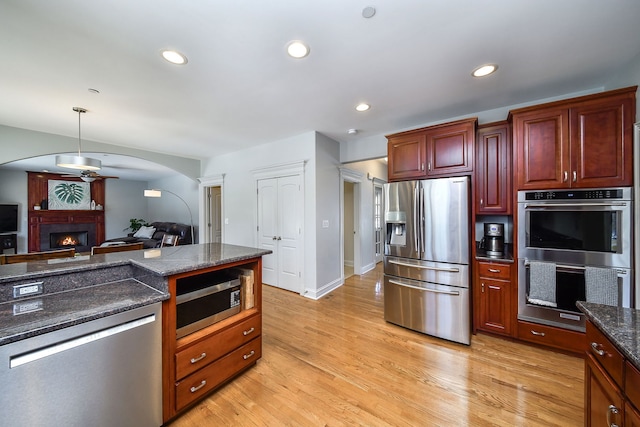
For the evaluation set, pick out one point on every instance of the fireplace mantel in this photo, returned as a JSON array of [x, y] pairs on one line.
[[38, 187]]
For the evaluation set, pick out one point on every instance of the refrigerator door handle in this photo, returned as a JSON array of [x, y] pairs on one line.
[[417, 231], [435, 291], [425, 267]]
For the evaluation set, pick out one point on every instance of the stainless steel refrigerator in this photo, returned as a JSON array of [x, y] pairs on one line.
[[426, 262]]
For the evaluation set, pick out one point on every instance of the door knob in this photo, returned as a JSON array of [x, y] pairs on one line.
[[274, 238], [279, 238]]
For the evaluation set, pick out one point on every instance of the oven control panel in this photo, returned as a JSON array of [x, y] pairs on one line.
[[606, 193]]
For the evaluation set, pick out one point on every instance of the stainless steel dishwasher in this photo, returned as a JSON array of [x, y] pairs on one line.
[[107, 372]]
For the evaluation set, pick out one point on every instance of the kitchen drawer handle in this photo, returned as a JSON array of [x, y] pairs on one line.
[[197, 359], [612, 410], [494, 270], [245, 333], [425, 267], [599, 352], [536, 333], [246, 356], [202, 384]]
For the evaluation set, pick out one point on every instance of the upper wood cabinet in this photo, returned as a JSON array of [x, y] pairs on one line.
[[583, 142], [435, 151], [493, 169]]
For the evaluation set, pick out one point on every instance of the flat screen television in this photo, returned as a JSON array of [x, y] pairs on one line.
[[8, 218]]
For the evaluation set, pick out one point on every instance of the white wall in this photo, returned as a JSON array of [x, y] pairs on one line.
[[327, 207], [239, 192], [14, 190], [123, 200]]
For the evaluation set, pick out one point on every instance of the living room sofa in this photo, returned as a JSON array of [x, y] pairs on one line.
[[160, 229]]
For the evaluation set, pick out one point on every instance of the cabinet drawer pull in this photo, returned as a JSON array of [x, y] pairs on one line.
[[566, 176], [199, 358], [536, 333], [575, 176], [247, 332], [494, 270], [599, 351], [246, 356], [612, 410], [196, 388]]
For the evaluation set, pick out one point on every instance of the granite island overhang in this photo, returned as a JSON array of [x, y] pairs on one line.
[[85, 288]]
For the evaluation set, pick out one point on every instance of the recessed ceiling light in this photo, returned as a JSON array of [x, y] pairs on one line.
[[297, 49], [368, 12], [484, 70], [174, 57], [352, 131], [362, 107]]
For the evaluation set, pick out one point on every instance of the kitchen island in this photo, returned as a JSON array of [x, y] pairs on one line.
[[41, 299], [612, 365]]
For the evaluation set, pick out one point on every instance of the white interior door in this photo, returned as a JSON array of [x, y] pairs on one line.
[[279, 230], [268, 228], [378, 204], [290, 227], [216, 214]]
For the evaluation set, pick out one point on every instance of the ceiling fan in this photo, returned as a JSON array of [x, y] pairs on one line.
[[88, 176]]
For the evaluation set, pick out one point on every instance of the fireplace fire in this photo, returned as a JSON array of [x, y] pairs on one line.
[[68, 239]]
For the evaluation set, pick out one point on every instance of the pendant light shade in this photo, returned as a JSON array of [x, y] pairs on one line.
[[78, 162]]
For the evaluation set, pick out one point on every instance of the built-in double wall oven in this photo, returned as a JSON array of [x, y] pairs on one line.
[[573, 245]]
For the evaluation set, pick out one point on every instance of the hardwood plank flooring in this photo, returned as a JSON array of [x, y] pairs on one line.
[[336, 362]]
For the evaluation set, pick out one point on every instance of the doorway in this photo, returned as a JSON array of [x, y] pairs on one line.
[[350, 235], [211, 210], [349, 230]]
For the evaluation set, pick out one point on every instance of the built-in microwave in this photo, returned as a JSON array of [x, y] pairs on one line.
[[205, 299]]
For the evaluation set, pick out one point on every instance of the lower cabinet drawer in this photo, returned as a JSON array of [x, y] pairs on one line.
[[200, 383], [552, 337], [214, 346]]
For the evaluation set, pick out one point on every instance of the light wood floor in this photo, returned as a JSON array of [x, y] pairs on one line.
[[336, 362]]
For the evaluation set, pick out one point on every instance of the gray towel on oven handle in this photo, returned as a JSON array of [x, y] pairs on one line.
[[601, 285], [542, 283]]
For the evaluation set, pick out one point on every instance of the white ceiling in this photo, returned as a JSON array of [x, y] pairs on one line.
[[411, 61]]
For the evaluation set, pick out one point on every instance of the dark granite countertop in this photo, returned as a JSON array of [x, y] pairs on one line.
[[162, 261], [620, 325], [28, 317], [84, 288]]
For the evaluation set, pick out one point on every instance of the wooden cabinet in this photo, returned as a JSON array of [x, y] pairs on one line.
[[493, 297], [584, 142], [550, 336], [198, 363], [611, 384], [493, 169], [435, 151]]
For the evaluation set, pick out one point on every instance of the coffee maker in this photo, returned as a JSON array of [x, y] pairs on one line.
[[493, 240]]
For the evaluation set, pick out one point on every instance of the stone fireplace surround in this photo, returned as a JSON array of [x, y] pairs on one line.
[[47, 229]]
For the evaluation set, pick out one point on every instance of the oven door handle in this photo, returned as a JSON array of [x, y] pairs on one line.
[[579, 267], [425, 267], [435, 291], [573, 205]]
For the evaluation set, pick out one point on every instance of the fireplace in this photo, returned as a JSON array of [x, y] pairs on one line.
[[68, 239], [81, 236]]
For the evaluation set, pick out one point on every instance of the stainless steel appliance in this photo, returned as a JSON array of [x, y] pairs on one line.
[[574, 231], [493, 240], [205, 299], [426, 263], [106, 372]]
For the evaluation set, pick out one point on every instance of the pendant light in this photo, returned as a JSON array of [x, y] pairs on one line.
[[78, 162]]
